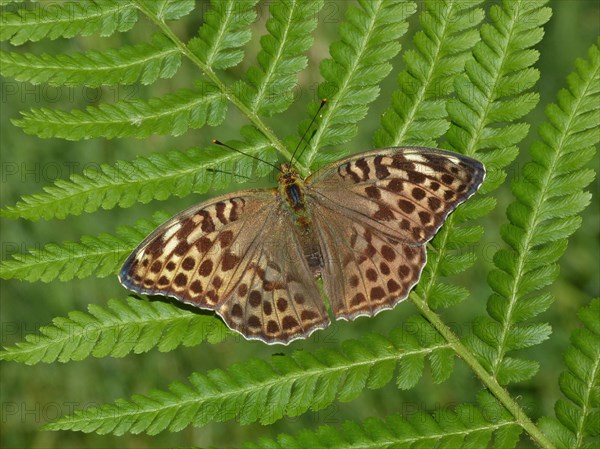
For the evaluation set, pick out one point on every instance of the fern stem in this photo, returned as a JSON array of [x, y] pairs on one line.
[[513, 297], [488, 379], [469, 151], [586, 406], [130, 411], [208, 71]]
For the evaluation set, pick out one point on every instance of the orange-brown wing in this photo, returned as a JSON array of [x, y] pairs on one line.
[[233, 255], [374, 212]]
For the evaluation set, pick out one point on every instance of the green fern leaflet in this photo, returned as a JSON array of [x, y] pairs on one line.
[[110, 110]]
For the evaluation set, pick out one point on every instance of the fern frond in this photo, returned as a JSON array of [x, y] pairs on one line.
[[126, 65], [170, 9], [418, 112], [548, 200], [99, 255], [157, 176], [495, 85], [171, 114], [471, 425], [578, 423], [260, 391], [359, 61], [35, 22], [281, 56], [132, 325], [225, 30]]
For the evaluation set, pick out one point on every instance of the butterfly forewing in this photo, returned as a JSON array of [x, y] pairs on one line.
[[405, 192], [373, 214], [194, 256], [233, 255]]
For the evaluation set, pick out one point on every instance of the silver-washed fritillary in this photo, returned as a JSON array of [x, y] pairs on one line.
[[360, 223]]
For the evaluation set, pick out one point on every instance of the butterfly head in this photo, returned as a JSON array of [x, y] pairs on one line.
[[288, 174]]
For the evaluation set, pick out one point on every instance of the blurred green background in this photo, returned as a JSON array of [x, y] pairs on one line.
[[32, 395]]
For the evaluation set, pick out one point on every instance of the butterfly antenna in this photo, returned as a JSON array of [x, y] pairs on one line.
[[218, 142], [323, 101], [312, 134], [215, 170]]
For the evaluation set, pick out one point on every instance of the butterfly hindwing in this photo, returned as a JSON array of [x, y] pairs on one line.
[[276, 299], [364, 270], [185, 257]]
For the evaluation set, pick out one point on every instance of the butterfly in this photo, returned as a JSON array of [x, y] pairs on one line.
[[360, 223]]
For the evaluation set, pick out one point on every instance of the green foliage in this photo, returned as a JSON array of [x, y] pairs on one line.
[[120, 329], [281, 56], [289, 385], [170, 9], [157, 176], [359, 61], [70, 19], [224, 31], [494, 89], [170, 114], [548, 200], [578, 423], [100, 256], [143, 63], [466, 426], [418, 112], [465, 85]]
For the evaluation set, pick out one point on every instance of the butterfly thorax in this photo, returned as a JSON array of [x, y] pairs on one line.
[[292, 190]]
